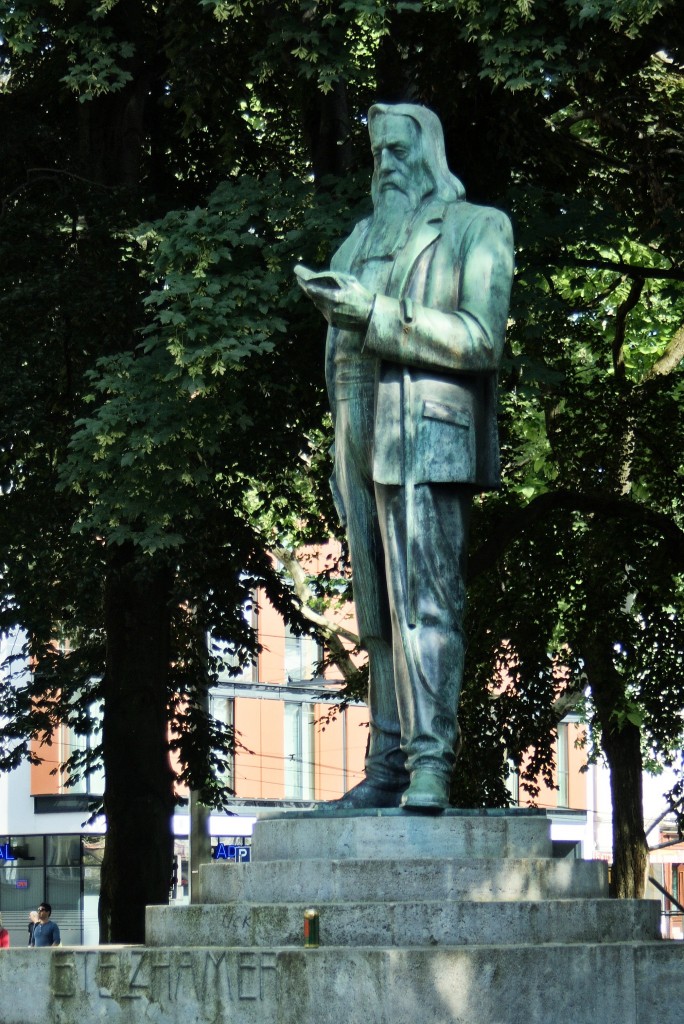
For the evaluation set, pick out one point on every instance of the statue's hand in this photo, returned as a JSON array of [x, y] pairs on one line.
[[343, 302]]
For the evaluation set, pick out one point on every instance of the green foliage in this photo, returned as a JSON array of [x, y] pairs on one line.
[[163, 169], [179, 419], [95, 63]]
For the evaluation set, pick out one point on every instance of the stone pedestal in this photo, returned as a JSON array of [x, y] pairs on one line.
[[404, 880], [459, 918]]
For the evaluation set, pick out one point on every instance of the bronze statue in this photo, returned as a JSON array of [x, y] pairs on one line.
[[417, 302]]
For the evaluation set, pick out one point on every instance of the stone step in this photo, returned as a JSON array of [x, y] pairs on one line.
[[391, 834], [391, 879], [409, 923]]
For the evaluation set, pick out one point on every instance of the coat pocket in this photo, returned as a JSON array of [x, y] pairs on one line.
[[444, 444], [445, 413]]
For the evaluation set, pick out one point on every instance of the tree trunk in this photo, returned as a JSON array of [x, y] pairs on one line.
[[621, 743], [139, 799], [630, 851], [325, 119]]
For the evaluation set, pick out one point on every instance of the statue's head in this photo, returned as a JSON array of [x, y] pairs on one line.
[[408, 148]]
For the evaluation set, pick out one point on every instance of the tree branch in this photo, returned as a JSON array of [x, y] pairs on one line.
[[333, 632], [623, 311], [34, 174], [513, 523], [671, 357], [618, 266]]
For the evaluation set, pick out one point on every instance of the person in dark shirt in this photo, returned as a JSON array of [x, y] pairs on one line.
[[46, 932]]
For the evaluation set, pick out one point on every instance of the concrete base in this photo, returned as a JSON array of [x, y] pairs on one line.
[[336, 881], [392, 833], [461, 918], [622, 983]]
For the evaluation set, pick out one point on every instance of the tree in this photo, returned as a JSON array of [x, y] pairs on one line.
[[586, 544], [568, 116], [163, 376], [144, 462]]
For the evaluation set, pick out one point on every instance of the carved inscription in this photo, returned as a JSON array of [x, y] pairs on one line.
[[202, 977]]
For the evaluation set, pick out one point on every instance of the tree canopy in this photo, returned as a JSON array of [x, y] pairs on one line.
[[163, 416]]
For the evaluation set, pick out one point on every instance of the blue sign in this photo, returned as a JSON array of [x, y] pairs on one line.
[[228, 851], [6, 852], [21, 883]]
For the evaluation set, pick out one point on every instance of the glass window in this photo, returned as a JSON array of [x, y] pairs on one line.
[[64, 852], [302, 655], [43, 868], [69, 742], [562, 766], [233, 671], [22, 877], [63, 884], [21, 889], [513, 783], [23, 850], [223, 710], [93, 852], [299, 751], [180, 872], [230, 667]]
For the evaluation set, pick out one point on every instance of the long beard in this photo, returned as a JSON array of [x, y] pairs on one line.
[[393, 212], [391, 222]]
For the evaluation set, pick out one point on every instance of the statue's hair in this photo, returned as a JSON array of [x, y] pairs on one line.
[[447, 186]]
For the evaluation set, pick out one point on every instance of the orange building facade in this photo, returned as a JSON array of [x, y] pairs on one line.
[[293, 741]]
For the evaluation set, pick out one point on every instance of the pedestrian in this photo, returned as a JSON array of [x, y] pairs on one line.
[[4, 936], [45, 932], [33, 921]]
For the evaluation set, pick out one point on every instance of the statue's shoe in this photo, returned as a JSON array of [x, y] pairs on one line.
[[427, 792], [366, 795]]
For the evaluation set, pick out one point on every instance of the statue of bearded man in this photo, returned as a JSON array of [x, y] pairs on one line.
[[417, 301]]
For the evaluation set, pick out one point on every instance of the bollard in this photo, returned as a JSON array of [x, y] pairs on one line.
[[311, 929]]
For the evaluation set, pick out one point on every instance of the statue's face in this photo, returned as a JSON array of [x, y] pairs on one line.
[[397, 157]]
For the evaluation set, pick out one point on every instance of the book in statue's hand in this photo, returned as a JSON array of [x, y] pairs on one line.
[[322, 279]]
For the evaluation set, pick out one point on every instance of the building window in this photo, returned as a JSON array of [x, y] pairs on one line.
[[562, 764], [513, 783], [69, 743], [232, 670], [302, 657], [223, 710], [43, 868], [230, 667], [299, 751]]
